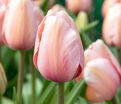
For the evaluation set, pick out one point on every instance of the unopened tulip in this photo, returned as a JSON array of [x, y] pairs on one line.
[[39, 13], [58, 51], [78, 5], [20, 25], [82, 20], [102, 73], [111, 26], [107, 5], [3, 8], [58, 7], [3, 80]]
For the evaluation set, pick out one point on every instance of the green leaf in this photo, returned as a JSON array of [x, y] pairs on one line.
[[44, 6], [6, 101], [72, 96], [68, 87], [46, 93], [90, 26]]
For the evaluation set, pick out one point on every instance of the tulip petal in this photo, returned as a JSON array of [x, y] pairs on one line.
[[38, 39]]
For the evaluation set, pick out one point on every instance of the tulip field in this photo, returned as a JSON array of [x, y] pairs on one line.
[[60, 51]]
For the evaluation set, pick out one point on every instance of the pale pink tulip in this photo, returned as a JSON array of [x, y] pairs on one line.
[[20, 25], [78, 5], [107, 5], [39, 13], [102, 72], [58, 51], [3, 8], [111, 26]]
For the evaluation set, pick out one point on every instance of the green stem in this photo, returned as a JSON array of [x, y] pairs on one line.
[[20, 77], [33, 79], [0, 55], [60, 93], [0, 99], [119, 55]]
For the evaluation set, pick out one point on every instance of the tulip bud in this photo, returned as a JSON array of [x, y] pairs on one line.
[[3, 80], [107, 5], [39, 13], [58, 53], [82, 20], [3, 8], [102, 73], [102, 80], [58, 8], [78, 5], [111, 26], [20, 25]]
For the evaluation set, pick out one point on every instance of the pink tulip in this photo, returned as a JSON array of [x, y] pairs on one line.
[[78, 5], [39, 13], [58, 51], [20, 25], [107, 5], [3, 8], [111, 26], [102, 73]]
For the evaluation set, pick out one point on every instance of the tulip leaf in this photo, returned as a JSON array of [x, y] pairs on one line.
[[44, 6], [6, 101], [46, 93], [90, 26], [68, 86], [72, 96]]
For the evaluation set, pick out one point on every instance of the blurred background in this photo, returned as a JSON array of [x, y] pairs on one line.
[[46, 89]]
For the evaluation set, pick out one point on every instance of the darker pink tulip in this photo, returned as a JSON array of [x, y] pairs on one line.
[[78, 5], [102, 73], [58, 51]]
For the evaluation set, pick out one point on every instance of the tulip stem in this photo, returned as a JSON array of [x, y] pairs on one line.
[[0, 55], [0, 99], [33, 79], [60, 93], [119, 55], [20, 77]]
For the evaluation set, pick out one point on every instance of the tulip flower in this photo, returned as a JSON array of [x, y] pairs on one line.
[[58, 51], [20, 25], [58, 7], [102, 73], [107, 5], [3, 8], [3, 80], [111, 26], [39, 13], [78, 5]]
